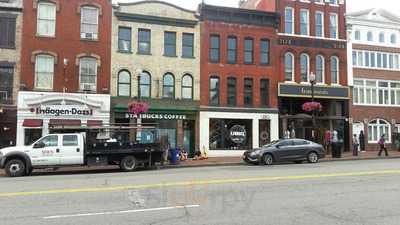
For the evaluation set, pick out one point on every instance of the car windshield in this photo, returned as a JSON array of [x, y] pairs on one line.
[[270, 144]]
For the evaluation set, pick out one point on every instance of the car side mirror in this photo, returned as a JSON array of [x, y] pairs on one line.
[[39, 145]]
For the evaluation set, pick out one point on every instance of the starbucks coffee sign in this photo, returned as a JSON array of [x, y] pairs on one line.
[[237, 134]]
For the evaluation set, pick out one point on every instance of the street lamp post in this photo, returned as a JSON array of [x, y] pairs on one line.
[[312, 82], [138, 120]]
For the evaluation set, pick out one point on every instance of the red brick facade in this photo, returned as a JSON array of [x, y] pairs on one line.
[[67, 44]]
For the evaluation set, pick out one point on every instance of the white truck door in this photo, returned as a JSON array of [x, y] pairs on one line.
[[71, 151], [45, 151]]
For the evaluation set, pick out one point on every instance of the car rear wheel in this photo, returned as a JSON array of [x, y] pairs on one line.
[[268, 159], [312, 157], [15, 168], [128, 163]]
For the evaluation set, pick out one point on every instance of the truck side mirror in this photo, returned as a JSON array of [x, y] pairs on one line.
[[39, 145]]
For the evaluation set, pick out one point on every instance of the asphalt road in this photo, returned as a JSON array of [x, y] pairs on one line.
[[363, 192]]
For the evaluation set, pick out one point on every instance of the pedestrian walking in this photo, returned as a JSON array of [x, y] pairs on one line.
[[355, 145], [361, 138], [382, 146]]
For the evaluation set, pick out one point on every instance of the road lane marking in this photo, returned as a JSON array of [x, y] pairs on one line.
[[199, 182], [119, 212]]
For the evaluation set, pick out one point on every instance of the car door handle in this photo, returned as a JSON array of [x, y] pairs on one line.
[[78, 150], [57, 150]]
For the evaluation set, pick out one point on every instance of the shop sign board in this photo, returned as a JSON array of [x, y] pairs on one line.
[[157, 116], [295, 90], [62, 110], [238, 134]]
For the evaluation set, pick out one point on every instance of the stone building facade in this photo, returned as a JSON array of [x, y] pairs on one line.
[[374, 55], [10, 53], [155, 59]]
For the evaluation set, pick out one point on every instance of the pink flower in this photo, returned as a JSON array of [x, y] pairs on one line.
[[138, 108], [311, 106]]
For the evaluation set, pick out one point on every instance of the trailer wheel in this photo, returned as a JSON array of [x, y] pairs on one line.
[[128, 163]]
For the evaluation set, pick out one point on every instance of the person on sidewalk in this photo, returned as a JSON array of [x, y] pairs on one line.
[[355, 145], [382, 146], [361, 138]]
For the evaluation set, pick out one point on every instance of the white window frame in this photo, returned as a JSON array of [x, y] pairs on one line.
[[307, 22], [395, 39], [377, 61], [370, 34], [85, 35], [293, 63], [377, 128], [308, 68], [38, 19], [323, 69], [368, 95], [336, 25], [337, 70], [292, 21], [357, 35], [93, 87], [322, 24], [49, 57]]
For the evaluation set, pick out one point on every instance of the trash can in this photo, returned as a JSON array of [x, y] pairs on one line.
[[174, 156]]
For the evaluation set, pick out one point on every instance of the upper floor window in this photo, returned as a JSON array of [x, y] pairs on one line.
[[333, 25], [304, 67], [334, 70], [214, 91], [187, 45], [264, 51], [7, 34], [248, 91], [232, 49], [168, 86], [89, 22], [376, 92], [144, 41], [304, 22], [370, 36], [319, 1], [289, 20], [169, 43], [124, 83], [44, 72], [264, 92], [214, 50], [393, 39], [378, 60], [357, 35], [382, 37], [320, 69], [319, 24], [248, 51], [145, 85], [46, 19], [6, 82], [88, 73], [124, 39], [231, 91], [289, 67], [333, 2], [187, 87]]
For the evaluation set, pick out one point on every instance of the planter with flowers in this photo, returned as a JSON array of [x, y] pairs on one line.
[[312, 107], [137, 108]]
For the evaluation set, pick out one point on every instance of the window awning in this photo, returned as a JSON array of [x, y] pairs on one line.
[[94, 123], [60, 122], [32, 123]]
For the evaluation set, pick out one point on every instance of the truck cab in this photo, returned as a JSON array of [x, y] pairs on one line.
[[49, 151]]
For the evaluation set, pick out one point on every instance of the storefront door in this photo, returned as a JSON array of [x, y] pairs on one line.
[[188, 137]]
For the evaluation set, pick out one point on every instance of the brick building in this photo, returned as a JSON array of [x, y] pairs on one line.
[[10, 50], [238, 79], [374, 47], [65, 64], [311, 40]]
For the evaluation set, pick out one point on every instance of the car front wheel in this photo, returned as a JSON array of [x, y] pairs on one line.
[[268, 159], [312, 157], [15, 168]]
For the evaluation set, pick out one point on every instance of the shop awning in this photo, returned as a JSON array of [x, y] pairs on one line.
[[32, 123], [94, 123], [60, 122]]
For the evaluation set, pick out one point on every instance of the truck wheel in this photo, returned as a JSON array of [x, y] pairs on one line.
[[15, 168], [128, 163]]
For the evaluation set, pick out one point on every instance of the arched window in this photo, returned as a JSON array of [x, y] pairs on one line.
[[44, 71], [145, 85], [214, 90], [187, 87], [357, 35], [334, 70], [304, 67], [393, 39], [289, 67], [168, 86], [320, 69], [382, 37], [376, 129], [370, 36], [124, 83], [46, 19], [88, 74]]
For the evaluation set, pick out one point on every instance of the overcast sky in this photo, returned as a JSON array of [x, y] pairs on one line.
[[352, 5]]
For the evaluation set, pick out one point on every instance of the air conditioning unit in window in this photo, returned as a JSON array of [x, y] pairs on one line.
[[91, 36], [88, 87]]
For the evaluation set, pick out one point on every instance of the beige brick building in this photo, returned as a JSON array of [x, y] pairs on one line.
[[10, 50], [156, 45]]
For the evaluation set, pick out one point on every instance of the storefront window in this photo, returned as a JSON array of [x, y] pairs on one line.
[[230, 134], [264, 132], [376, 129]]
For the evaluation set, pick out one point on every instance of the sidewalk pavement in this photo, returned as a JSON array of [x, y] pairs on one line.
[[226, 161]]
